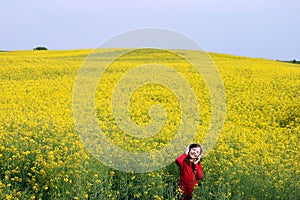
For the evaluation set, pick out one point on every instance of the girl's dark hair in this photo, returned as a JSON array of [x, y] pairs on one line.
[[195, 145], [187, 159]]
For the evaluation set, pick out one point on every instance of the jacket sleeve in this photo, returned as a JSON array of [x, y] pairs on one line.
[[199, 171], [180, 159]]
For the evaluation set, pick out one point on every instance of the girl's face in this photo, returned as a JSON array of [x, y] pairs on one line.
[[194, 152]]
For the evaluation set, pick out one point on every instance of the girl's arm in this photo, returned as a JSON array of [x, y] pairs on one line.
[[181, 158], [199, 171]]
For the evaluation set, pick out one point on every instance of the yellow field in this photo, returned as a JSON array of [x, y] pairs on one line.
[[42, 156]]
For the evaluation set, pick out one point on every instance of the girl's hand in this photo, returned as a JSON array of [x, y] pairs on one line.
[[199, 157], [187, 150], [197, 160]]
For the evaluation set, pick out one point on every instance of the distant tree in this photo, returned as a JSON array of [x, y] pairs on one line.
[[40, 48]]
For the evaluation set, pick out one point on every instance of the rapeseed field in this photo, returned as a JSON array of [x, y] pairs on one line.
[[43, 156]]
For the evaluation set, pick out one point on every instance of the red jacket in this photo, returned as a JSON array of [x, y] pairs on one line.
[[188, 180]]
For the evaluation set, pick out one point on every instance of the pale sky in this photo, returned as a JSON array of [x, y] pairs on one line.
[[254, 28]]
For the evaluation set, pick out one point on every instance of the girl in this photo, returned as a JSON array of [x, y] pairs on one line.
[[190, 170]]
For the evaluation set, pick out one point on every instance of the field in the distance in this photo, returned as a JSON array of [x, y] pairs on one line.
[[42, 157]]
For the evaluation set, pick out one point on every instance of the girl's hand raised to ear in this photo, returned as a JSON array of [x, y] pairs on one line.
[[197, 159], [187, 150]]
